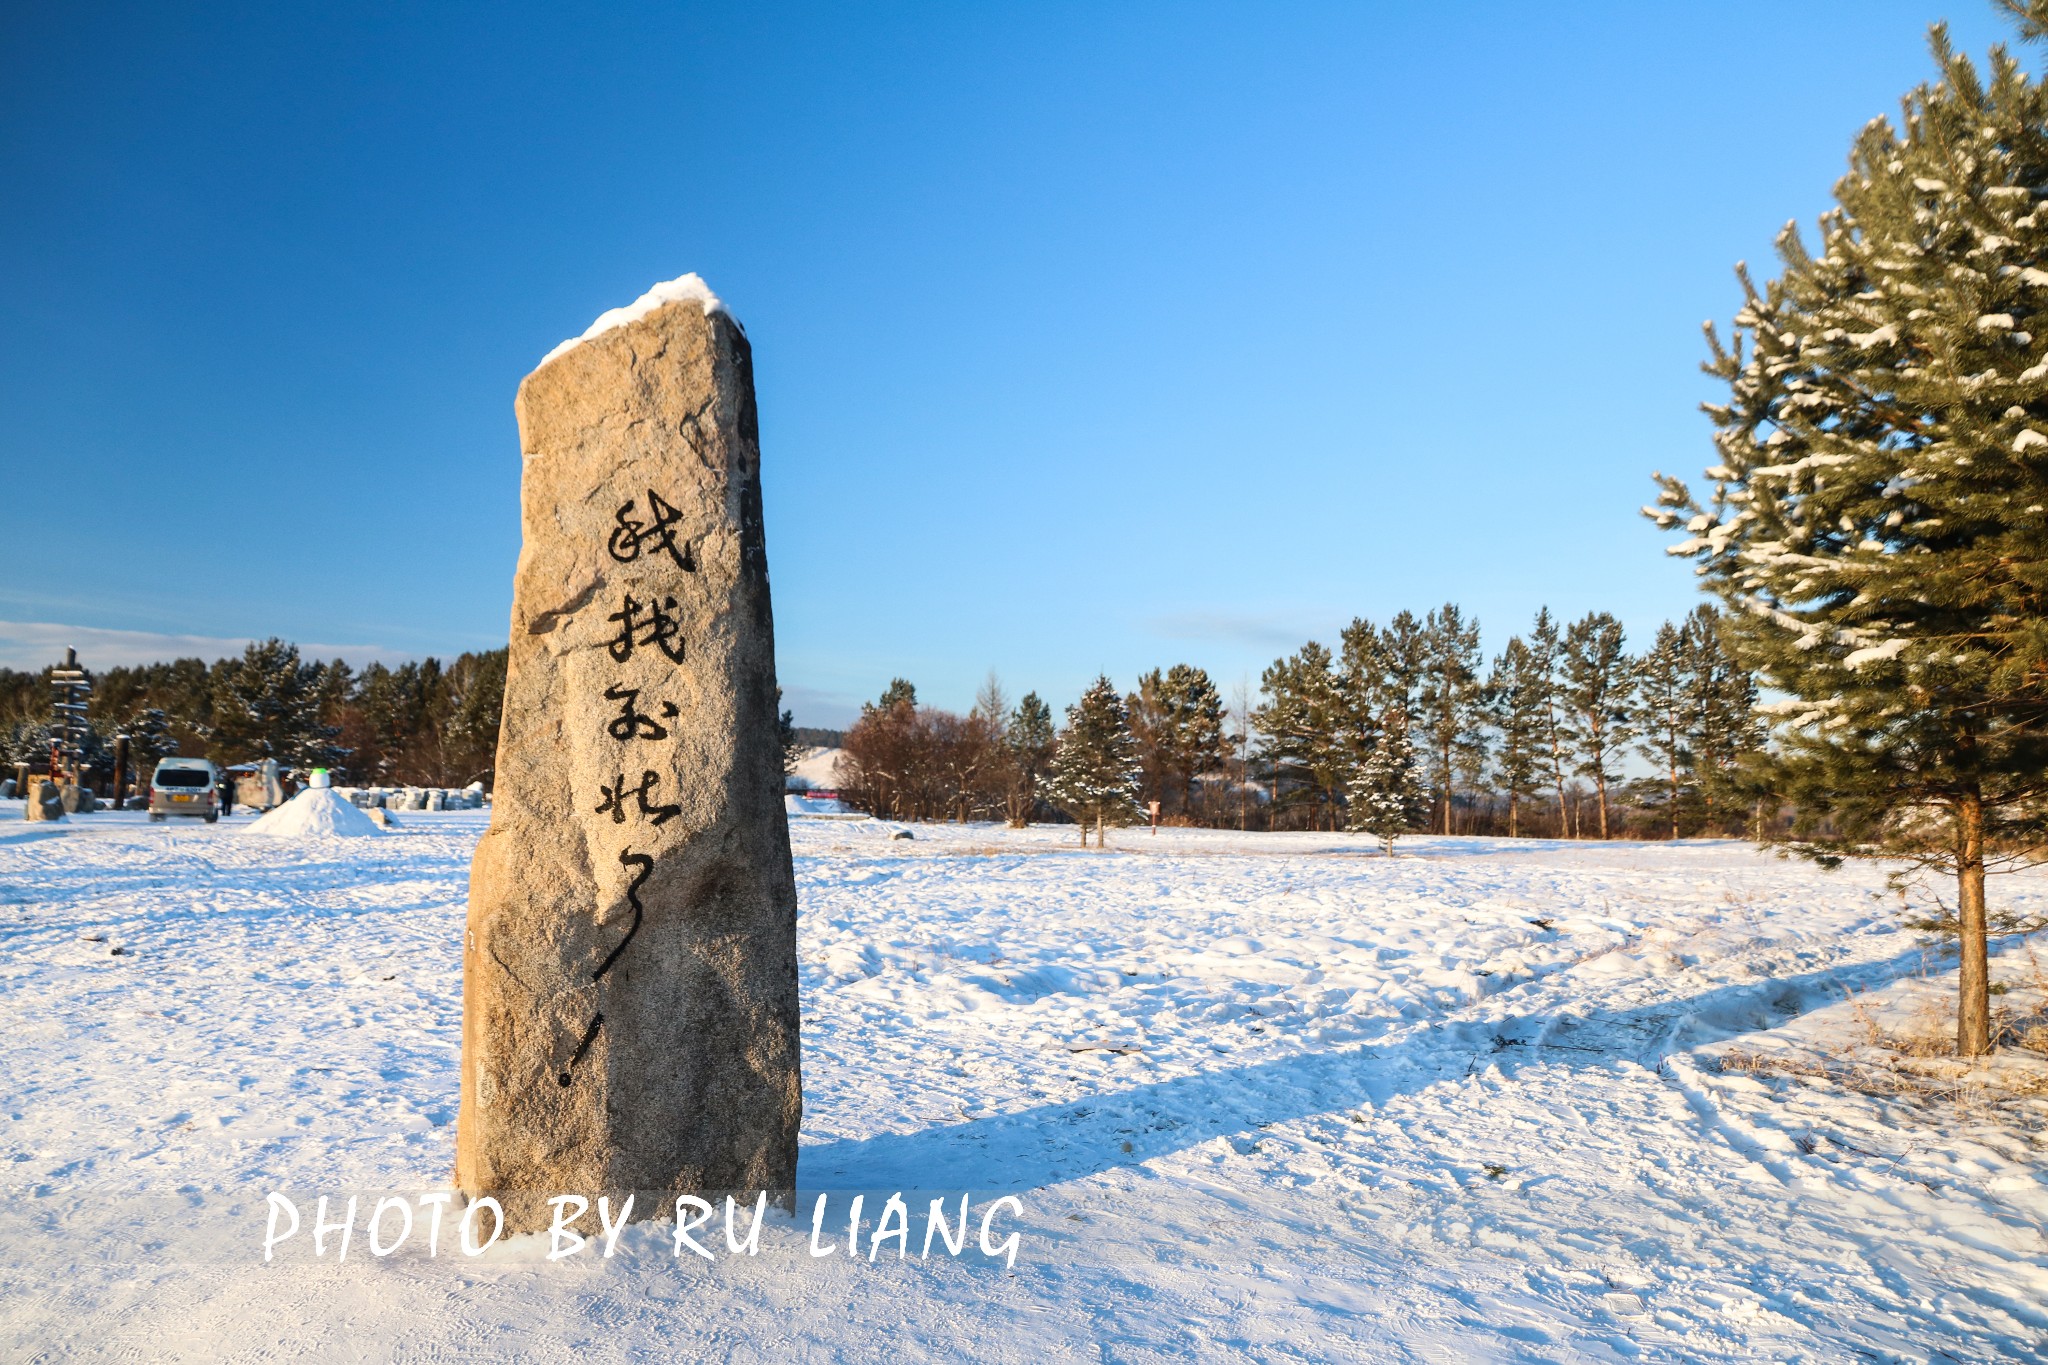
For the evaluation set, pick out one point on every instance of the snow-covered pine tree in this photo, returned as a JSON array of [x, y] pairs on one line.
[[1598, 692], [1029, 735], [149, 739], [1878, 520], [1305, 726], [1518, 695], [1095, 773], [1450, 707], [1665, 703], [267, 704], [1387, 798], [1377, 671]]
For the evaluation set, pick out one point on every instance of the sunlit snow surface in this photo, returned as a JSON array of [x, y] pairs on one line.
[[1263, 1097]]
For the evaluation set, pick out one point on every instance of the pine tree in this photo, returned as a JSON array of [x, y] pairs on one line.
[[1451, 703], [1381, 670], [785, 736], [149, 739], [1387, 799], [1305, 725], [1030, 738], [1598, 692], [267, 704], [1095, 773], [1546, 653], [1667, 714], [477, 697], [1177, 717], [1876, 523], [1726, 730], [1518, 691]]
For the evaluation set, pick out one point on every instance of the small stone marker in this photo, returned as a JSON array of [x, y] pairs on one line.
[[629, 972], [43, 802]]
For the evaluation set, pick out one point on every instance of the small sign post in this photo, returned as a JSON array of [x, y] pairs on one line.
[[1153, 806]]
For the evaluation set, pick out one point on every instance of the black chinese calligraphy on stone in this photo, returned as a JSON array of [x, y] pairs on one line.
[[633, 723], [644, 866], [614, 802], [649, 623], [632, 537]]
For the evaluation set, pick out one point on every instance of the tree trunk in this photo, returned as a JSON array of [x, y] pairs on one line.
[[1511, 815], [1601, 783], [1445, 769], [1973, 1006], [1674, 799]]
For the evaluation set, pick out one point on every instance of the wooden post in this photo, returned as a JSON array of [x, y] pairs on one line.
[[120, 769]]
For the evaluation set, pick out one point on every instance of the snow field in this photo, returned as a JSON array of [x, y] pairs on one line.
[[1263, 1097]]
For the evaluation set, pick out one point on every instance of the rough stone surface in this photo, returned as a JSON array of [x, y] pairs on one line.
[[43, 802], [629, 973]]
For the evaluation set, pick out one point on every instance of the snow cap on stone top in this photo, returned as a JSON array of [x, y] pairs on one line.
[[684, 288]]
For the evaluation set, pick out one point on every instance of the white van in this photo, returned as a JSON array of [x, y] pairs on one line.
[[185, 786]]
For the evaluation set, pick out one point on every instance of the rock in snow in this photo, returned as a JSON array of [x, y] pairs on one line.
[[630, 985], [316, 813]]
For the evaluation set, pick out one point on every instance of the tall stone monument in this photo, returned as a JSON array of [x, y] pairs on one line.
[[629, 1013]]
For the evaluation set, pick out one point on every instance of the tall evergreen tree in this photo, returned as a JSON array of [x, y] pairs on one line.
[[1177, 717], [1546, 655], [1598, 694], [1451, 702], [1726, 730], [1304, 728], [1031, 742], [1095, 773], [1380, 669], [1387, 797], [477, 708], [267, 704], [1875, 523], [1518, 691], [1667, 715], [150, 740]]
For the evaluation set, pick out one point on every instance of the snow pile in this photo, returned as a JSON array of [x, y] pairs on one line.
[[316, 813], [686, 288]]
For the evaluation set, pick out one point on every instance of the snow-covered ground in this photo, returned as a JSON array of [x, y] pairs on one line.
[[817, 770], [1261, 1097]]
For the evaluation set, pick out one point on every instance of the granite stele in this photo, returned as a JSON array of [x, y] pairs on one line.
[[629, 1013]]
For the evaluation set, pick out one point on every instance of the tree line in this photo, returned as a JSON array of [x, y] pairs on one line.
[[1408, 719], [425, 723]]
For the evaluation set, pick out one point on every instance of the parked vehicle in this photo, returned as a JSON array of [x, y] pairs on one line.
[[184, 786]]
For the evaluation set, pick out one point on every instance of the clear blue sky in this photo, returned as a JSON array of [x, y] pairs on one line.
[[1088, 337]]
